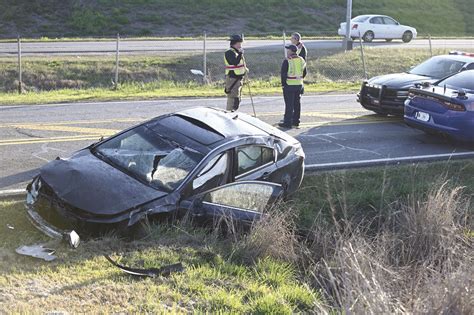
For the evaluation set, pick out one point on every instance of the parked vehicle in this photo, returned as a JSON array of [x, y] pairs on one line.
[[446, 107], [200, 161], [386, 94], [372, 27]]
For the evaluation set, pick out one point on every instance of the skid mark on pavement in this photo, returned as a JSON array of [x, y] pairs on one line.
[[45, 149]]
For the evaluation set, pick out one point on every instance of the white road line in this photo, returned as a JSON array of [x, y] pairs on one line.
[[374, 162], [338, 165], [12, 192]]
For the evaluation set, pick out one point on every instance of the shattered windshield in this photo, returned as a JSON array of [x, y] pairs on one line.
[[149, 157], [437, 67]]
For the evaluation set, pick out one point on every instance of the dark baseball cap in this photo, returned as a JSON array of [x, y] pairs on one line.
[[235, 38], [292, 47]]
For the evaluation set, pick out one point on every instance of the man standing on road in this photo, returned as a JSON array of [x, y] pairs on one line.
[[296, 40], [235, 70], [293, 70]]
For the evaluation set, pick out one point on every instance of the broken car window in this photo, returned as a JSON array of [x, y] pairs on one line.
[[247, 196], [214, 171], [149, 157], [252, 157]]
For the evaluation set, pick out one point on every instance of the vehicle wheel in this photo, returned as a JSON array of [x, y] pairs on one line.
[[368, 36], [407, 37], [388, 40]]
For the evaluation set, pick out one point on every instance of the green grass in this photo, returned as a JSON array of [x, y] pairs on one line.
[[191, 17], [216, 279], [83, 281], [89, 78], [371, 193]]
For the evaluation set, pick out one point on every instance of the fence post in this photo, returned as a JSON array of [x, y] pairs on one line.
[[204, 59], [284, 44], [431, 47], [117, 62], [362, 56], [20, 88]]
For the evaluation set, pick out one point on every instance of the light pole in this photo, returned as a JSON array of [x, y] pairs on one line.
[[345, 43]]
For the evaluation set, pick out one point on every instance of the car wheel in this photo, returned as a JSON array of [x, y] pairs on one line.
[[388, 40], [368, 36], [407, 37]]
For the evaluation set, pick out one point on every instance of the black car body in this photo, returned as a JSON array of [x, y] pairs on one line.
[[386, 94], [200, 160]]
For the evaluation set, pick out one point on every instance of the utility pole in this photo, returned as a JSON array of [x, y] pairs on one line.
[[345, 43]]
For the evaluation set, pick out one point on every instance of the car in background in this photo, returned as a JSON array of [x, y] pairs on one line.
[[446, 107], [386, 94], [372, 27], [201, 161]]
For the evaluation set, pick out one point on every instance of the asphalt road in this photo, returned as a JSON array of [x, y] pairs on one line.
[[335, 132], [154, 46]]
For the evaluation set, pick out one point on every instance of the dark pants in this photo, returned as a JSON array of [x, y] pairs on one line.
[[292, 96]]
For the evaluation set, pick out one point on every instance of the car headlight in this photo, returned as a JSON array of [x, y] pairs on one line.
[[402, 94]]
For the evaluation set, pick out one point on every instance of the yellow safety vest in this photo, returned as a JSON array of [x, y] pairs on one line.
[[238, 69], [296, 65]]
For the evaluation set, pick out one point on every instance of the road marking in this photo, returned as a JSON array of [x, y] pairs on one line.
[[64, 128], [54, 139], [75, 122], [387, 161]]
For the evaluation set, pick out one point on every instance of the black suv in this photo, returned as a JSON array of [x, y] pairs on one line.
[[386, 94]]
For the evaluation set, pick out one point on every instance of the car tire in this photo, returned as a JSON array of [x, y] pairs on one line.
[[368, 36], [407, 37], [388, 40]]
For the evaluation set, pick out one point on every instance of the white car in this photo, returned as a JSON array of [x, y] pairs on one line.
[[372, 27]]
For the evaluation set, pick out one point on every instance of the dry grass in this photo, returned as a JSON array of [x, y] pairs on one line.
[[419, 261]]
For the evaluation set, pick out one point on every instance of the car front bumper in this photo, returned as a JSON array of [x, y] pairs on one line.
[[381, 99]]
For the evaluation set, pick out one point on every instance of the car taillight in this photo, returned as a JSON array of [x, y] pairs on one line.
[[355, 26], [453, 106]]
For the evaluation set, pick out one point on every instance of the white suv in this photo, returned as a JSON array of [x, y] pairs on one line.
[[372, 27]]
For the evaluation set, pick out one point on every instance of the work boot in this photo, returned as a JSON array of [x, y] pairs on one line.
[[284, 125]]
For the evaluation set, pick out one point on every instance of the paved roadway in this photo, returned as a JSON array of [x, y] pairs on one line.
[[334, 130], [156, 46]]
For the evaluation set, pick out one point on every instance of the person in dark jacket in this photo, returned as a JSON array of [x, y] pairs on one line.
[[293, 70], [235, 70], [301, 48]]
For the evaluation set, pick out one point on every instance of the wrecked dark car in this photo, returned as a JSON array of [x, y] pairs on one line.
[[203, 162]]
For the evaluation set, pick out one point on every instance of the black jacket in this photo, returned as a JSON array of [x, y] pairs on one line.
[[303, 52], [233, 60], [284, 73]]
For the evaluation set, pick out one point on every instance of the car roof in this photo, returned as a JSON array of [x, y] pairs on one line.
[[233, 124], [462, 58]]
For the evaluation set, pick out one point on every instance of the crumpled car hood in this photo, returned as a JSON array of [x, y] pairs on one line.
[[88, 183]]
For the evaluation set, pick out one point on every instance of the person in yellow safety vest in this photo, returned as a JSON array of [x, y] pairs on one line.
[[235, 70], [296, 40], [293, 71]]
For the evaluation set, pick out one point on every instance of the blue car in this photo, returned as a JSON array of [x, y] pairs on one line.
[[445, 107]]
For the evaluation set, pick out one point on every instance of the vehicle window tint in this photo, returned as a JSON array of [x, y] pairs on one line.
[[213, 174], [148, 157], [247, 196], [376, 20], [360, 19], [389, 21], [462, 80], [252, 157], [470, 66], [438, 67]]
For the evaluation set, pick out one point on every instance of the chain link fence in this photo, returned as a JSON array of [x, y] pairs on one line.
[[37, 66]]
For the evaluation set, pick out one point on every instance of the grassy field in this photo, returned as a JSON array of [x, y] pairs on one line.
[[189, 17], [89, 78], [417, 259]]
